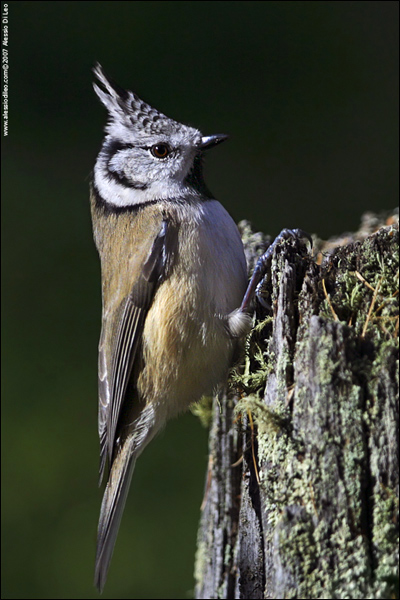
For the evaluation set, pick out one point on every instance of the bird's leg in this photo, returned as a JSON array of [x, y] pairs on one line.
[[264, 261]]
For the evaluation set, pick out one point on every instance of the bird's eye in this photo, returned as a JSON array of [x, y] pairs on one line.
[[160, 150]]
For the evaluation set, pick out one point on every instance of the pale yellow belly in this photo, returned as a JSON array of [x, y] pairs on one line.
[[186, 349]]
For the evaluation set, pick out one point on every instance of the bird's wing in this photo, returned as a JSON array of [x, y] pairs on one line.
[[114, 374]]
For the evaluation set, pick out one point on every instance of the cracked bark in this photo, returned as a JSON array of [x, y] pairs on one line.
[[301, 496]]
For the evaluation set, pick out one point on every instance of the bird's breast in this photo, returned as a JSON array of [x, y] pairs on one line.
[[186, 347]]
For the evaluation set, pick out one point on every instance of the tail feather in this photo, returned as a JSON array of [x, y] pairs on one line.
[[111, 511]]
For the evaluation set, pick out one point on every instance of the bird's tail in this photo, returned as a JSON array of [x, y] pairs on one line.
[[111, 511]]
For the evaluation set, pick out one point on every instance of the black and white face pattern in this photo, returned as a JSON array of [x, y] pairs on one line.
[[145, 155]]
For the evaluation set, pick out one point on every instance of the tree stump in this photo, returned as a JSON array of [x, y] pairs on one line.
[[301, 497]]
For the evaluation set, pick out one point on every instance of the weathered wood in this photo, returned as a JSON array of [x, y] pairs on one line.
[[302, 491]]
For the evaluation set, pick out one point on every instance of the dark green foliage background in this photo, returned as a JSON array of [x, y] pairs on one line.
[[308, 92]]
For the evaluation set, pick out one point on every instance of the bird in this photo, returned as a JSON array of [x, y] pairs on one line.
[[174, 275]]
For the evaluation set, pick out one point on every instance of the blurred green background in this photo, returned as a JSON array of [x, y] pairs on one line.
[[308, 92]]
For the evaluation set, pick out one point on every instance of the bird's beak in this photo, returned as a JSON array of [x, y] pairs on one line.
[[209, 141]]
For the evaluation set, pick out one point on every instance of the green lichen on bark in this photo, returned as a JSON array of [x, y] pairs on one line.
[[323, 462], [320, 382]]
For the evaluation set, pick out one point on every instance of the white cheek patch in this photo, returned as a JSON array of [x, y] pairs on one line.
[[113, 192]]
